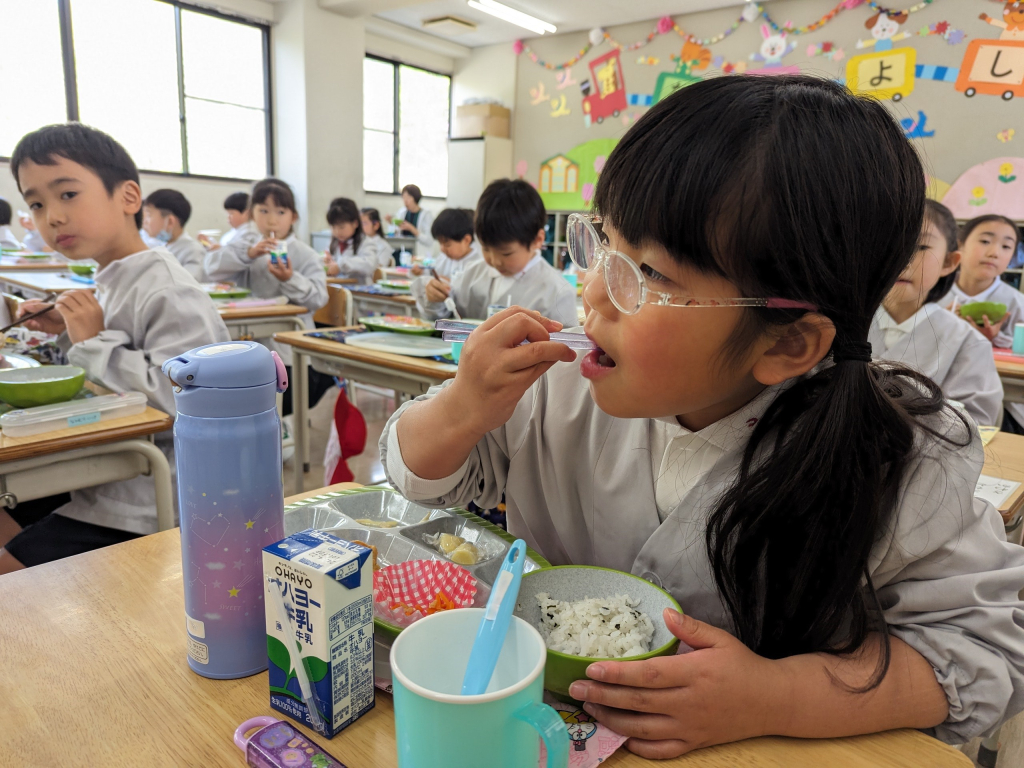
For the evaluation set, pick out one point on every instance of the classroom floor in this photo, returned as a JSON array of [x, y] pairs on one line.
[[368, 470]]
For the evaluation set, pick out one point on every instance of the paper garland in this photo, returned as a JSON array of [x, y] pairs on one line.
[[666, 24]]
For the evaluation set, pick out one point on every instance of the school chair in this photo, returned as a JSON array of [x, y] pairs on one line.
[[378, 274], [338, 309]]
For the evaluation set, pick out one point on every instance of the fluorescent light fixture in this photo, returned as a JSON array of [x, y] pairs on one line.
[[511, 15]]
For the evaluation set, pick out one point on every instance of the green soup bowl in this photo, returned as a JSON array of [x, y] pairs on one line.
[[28, 387]]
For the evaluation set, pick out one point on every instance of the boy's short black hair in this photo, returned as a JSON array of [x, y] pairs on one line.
[[509, 211], [237, 201], [452, 224], [80, 144], [170, 201], [944, 221], [5, 212]]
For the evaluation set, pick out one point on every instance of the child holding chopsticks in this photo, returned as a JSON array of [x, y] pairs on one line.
[[730, 439]]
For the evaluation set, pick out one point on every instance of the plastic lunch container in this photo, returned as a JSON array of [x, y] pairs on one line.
[[74, 413]]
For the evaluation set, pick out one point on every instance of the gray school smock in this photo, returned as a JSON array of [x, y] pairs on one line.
[[190, 255], [445, 267], [949, 352], [381, 248], [580, 489], [542, 288], [359, 265], [307, 286], [152, 310]]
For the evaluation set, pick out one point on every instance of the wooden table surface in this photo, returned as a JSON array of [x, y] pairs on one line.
[[55, 282], [253, 313], [342, 281], [10, 262], [398, 298], [415, 365], [1004, 457], [92, 655], [1010, 368]]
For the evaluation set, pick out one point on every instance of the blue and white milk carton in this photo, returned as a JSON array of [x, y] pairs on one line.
[[318, 591]]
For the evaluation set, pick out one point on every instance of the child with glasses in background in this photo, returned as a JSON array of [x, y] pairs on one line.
[[730, 440]]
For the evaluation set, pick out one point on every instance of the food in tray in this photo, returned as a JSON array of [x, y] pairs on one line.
[[372, 548], [455, 547], [371, 523], [397, 324], [606, 628]]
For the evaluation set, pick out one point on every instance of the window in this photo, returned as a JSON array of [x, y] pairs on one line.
[[405, 128], [29, 97], [184, 90]]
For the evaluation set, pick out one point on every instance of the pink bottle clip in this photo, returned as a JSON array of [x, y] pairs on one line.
[[282, 373]]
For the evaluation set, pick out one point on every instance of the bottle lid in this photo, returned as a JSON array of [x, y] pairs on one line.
[[227, 365]]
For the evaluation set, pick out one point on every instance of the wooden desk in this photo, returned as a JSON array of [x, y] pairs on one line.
[[10, 262], [1004, 457], [412, 375], [342, 281], [1011, 373], [37, 284], [374, 303], [262, 322], [92, 655], [81, 457]]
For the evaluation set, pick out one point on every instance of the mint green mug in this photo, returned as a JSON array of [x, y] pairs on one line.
[[437, 727]]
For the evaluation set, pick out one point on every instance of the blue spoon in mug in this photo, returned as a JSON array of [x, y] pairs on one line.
[[494, 626]]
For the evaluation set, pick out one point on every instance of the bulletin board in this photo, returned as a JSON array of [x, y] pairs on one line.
[[955, 81]]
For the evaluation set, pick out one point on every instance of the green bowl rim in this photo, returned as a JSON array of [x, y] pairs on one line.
[[660, 651], [70, 377]]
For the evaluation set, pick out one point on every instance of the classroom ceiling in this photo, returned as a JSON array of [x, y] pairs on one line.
[[566, 15]]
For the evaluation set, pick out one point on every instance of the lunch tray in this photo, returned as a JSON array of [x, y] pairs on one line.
[[338, 511]]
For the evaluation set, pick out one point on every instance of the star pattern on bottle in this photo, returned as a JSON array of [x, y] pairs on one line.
[[233, 592], [239, 564], [249, 524]]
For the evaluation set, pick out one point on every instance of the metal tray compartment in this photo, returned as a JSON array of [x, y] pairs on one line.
[[380, 507], [488, 544]]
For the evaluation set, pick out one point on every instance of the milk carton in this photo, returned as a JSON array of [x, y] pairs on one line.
[[326, 586]]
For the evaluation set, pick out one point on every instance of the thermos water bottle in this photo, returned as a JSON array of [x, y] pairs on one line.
[[227, 445]]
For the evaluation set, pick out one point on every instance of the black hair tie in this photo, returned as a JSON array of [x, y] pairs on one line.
[[852, 351]]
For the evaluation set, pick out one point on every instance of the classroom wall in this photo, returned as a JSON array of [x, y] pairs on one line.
[[489, 72], [966, 130]]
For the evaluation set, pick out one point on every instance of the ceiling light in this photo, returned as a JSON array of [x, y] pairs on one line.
[[511, 15]]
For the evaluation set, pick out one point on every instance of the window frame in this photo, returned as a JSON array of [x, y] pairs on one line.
[[67, 45], [395, 65]]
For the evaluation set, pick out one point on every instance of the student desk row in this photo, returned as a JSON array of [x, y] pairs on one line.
[[1012, 376], [10, 262], [409, 375], [80, 457], [377, 304], [92, 653]]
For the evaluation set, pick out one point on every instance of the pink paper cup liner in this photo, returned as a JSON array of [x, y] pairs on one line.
[[406, 592]]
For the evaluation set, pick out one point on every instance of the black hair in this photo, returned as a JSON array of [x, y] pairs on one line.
[[726, 174], [414, 192], [509, 211], [943, 220], [373, 215], [89, 147], [342, 211], [273, 189], [237, 201], [170, 201], [977, 221], [5, 212], [453, 224]]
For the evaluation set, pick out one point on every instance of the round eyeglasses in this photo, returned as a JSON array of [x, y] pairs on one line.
[[625, 283]]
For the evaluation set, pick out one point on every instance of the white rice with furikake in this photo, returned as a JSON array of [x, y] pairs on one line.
[[605, 628]]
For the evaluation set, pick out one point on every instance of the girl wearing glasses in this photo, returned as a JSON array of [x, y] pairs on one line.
[[731, 440]]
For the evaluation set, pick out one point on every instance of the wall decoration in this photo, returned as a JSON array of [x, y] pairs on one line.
[[584, 158], [649, 61], [559, 174], [830, 51], [692, 57], [915, 128], [558, 107], [937, 188], [587, 194], [1012, 22], [885, 30], [538, 95], [640, 100], [521, 168], [1006, 136], [604, 95], [940, 74], [564, 78], [944, 30], [994, 186], [729, 67], [773, 49], [993, 68]]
